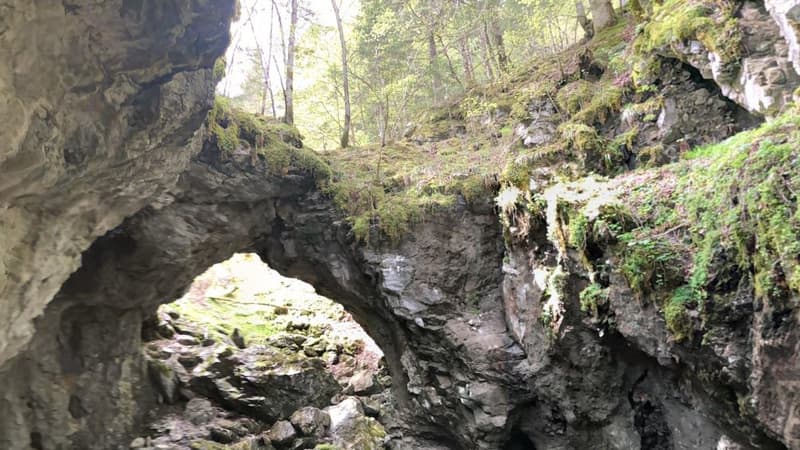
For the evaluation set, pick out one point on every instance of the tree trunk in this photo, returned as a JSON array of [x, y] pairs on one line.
[[450, 65], [264, 70], [269, 59], [584, 21], [463, 47], [290, 50], [345, 141], [602, 14], [487, 51], [499, 46], [263, 102], [433, 55], [283, 52]]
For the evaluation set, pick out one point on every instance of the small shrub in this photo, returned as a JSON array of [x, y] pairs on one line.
[[593, 297]]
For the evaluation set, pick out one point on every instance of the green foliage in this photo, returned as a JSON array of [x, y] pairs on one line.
[[649, 264], [651, 156], [219, 68], [675, 314], [389, 188], [593, 297], [476, 107], [574, 96], [224, 131], [606, 100], [579, 231], [646, 68], [581, 137], [729, 208]]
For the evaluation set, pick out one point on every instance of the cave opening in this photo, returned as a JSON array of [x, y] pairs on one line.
[[260, 355]]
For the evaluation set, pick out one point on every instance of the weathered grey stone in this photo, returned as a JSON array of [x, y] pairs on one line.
[[164, 377], [311, 421], [263, 383], [92, 132], [95, 137], [765, 77], [351, 429], [282, 433], [787, 15], [362, 383], [101, 103]]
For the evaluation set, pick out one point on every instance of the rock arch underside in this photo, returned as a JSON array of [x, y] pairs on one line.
[[113, 198]]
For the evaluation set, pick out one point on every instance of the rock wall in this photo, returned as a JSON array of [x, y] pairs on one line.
[[764, 76], [480, 356], [100, 104], [422, 302]]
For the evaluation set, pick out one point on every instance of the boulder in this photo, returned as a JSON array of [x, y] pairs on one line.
[[185, 339], [311, 421], [237, 338], [362, 383], [282, 433], [264, 383], [351, 429], [165, 379]]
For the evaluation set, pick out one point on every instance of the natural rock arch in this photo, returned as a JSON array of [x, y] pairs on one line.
[[85, 355]]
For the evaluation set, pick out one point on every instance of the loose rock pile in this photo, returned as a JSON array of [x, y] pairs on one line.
[[294, 390]]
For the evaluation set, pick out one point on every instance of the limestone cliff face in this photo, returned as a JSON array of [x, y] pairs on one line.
[[100, 105], [110, 204]]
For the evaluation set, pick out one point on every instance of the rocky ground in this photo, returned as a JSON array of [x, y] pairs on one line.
[[251, 360]]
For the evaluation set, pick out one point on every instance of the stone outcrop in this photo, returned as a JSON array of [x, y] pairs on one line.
[[787, 15], [100, 105], [445, 292], [764, 77]]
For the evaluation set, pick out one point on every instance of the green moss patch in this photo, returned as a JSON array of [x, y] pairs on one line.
[[729, 209], [234, 130], [392, 187], [684, 235], [592, 298], [677, 21]]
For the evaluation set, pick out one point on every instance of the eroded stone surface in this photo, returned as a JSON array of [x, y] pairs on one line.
[[100, 105], [765, 77]]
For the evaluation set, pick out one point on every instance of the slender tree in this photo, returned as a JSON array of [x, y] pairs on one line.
[[269, 59], [583, 21], [345, 141], [290, 54]]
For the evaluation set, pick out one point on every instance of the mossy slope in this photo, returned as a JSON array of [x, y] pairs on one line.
[[685, 235]]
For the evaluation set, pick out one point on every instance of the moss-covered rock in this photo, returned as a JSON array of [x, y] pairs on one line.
[[727, 209], [235, 131]]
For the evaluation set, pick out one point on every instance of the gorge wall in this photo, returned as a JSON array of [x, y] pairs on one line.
[[113, 199]]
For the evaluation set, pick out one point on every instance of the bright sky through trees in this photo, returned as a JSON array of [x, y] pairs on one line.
[[244, 39]]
